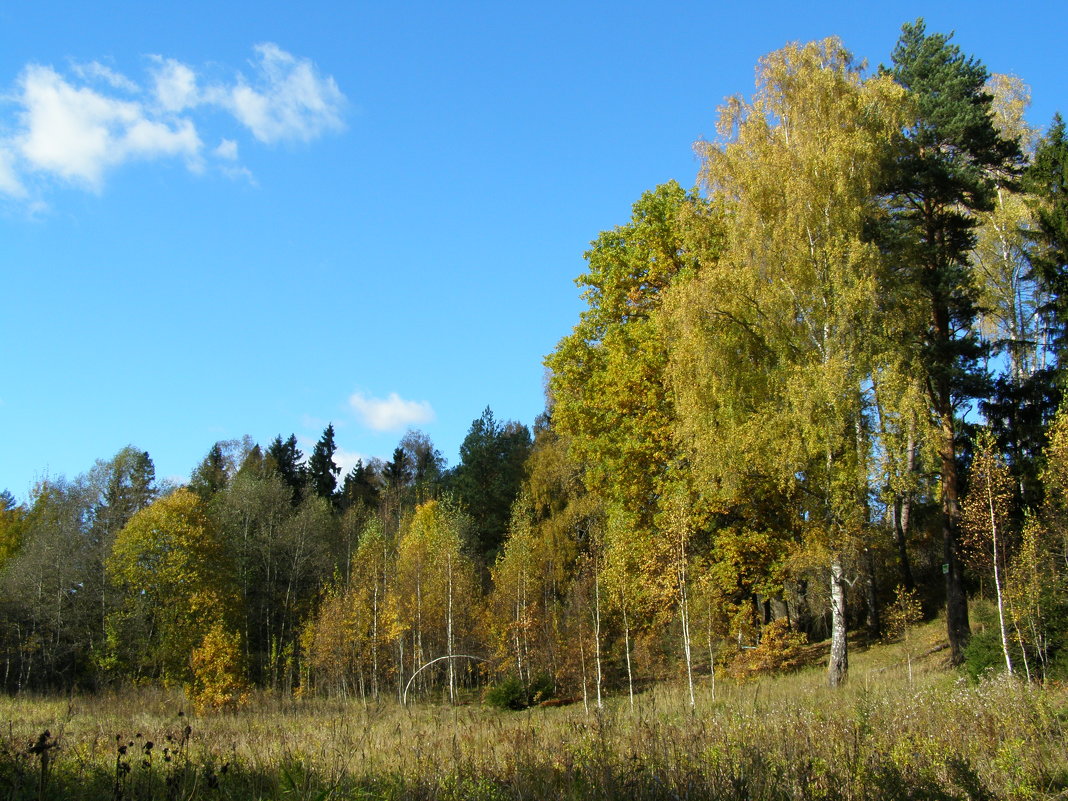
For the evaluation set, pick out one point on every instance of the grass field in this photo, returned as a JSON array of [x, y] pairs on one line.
[[936, 736]]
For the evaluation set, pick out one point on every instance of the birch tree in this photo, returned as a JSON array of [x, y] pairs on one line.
[[794, 298]]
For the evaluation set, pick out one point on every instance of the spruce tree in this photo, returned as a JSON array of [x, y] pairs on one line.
[[359, 487], [1020, 413], [211, 475], [487, 480], [285, 459], [1047, 182], [322, 471]]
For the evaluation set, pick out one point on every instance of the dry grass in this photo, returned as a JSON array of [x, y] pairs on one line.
[[881, 736]]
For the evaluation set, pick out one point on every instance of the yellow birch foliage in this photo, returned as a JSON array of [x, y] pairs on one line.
[[435, 579], [1009, 298], [773, 341], [218, 677], [986, 509], [177, 581]]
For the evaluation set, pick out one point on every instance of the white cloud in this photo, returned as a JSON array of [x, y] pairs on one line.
[[78, 133], [392, 413], [175, 86], [346, 460], [95, 71], [79, 126], [227, 149], [9, 180], [290, 101]]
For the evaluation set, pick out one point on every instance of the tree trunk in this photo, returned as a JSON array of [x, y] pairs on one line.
[[448, 637], [626, 648], [684, 614], [958, 629], [597, 631], [997, 578], [873, 622], [838, 665]]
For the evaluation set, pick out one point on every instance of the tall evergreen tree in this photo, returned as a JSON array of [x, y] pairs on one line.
[[211, 474], [359, 487], [322, 471], [488, 477], [253, 464], [1047, 181], [285, 459], [398, 472], [1020, 412], [943, 174]]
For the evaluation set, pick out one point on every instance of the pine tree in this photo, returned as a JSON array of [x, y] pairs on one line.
[[942, 175]]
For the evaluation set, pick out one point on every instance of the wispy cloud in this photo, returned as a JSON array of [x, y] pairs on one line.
[[288, 99], [391, 413], [9, 181], [227, 149], [77, 126], [95, 71]]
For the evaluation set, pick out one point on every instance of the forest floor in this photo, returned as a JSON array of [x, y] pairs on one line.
[[933, 734]]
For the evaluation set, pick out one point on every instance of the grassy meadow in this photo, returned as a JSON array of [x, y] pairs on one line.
[[934, 735]]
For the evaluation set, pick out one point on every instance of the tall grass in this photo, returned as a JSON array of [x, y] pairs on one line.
[[882, 736]]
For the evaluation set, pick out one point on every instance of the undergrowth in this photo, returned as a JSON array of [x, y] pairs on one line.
[[936, 736]]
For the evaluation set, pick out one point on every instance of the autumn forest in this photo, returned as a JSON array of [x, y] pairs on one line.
[[816, 397]]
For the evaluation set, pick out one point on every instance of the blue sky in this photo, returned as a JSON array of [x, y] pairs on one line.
[[221, 219]]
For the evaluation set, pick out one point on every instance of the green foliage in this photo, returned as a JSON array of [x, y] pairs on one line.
[[322, 472], [512, 693], [942, 176], [211, 475], [486, 481], [508, 693], [11, 520], [1047, 181], [286, 460], [359, 487], [608, 387], [984, 655]]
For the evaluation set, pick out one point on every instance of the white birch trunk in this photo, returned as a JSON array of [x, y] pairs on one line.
[[838, 664]]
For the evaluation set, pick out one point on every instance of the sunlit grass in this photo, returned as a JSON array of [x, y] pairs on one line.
[[881, 736]]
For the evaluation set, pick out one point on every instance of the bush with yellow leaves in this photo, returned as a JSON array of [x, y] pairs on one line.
[[218, 681], [781, 650]]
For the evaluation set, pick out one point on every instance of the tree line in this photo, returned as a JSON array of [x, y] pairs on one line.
[[816, 392]]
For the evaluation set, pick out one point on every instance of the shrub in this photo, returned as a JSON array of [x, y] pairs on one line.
[[983, 654], [508, 693], [218, 681], [781, 650], [541, 688]]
